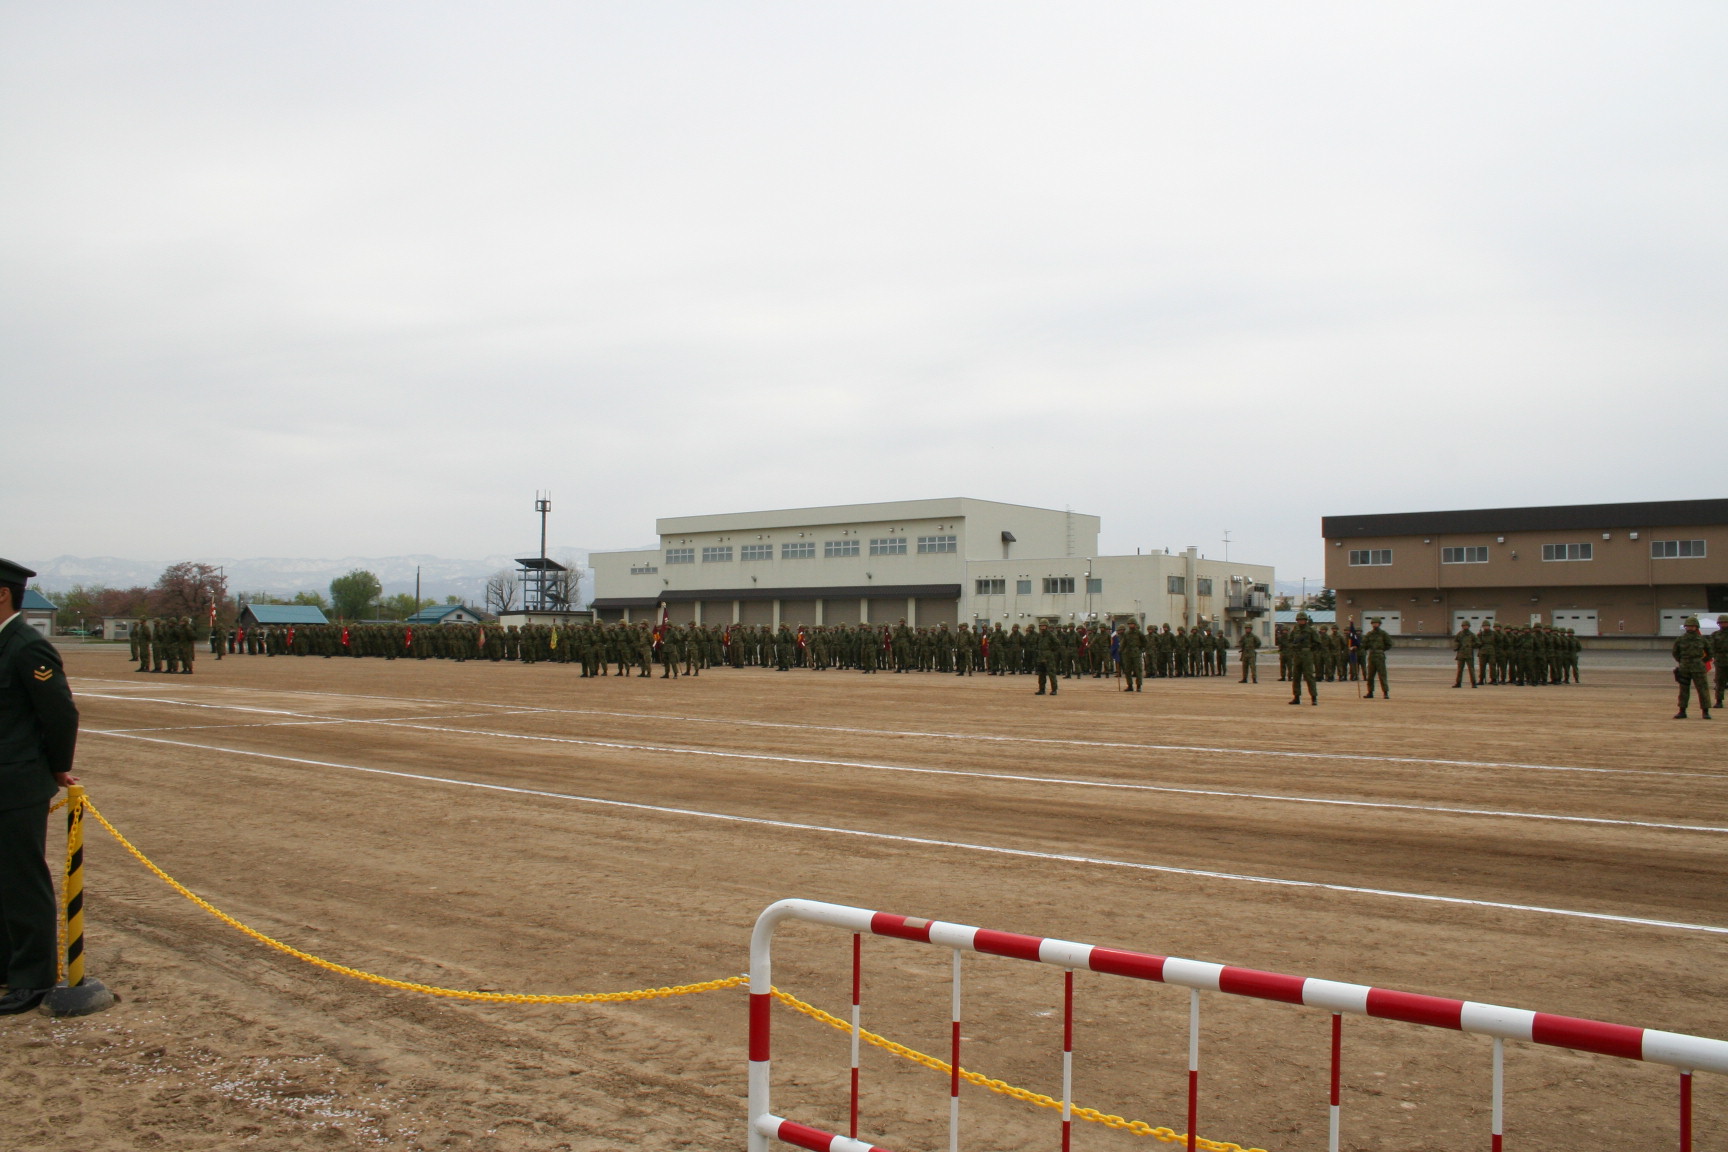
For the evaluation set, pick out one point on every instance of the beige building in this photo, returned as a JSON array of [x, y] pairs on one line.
[[1599, 569], [927, 562]]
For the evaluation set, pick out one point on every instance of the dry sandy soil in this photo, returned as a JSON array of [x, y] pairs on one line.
[[365, 811]]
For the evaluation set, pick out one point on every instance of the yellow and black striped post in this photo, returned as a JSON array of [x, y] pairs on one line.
[[74, 894], [77, 994]]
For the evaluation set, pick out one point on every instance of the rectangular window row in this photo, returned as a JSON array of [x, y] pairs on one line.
[[833, 548], [1566, 552], [938, 544], [993, 587], [1464, 555], [717, 554], [1676, 549], [888, 546], [1370, 557]]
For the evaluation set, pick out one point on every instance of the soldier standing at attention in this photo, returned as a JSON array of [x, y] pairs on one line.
[[1249, 648], [1690, 652], [1719, 650], [1303, 645], [1464, 655], [1131, 658], [1374, 646], [38, 731], [1048, 658]]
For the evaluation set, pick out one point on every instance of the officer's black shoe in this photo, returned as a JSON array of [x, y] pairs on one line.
[[1298, 700], [22, 1000], [1680, 715], [1040, 692]]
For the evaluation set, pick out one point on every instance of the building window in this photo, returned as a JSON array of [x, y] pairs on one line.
[[1176, 585], [1676, 549], [1566, 551], [1203, 585], [756, 552], [644, 570], [938, 544], [1058, 585], [1360, 557], [833, 548], [887, 546], [680, 555], [1022, 587], [1464, 555], [1094, 585], [717, 554], [799, 550], [993, 587]]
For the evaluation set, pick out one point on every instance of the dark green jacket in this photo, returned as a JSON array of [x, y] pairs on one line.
[[38, 721]]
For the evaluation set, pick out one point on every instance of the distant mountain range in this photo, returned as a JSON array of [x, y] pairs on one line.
[[440, 576]]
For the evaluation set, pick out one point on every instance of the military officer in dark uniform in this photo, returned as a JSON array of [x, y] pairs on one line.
[[38, 728]]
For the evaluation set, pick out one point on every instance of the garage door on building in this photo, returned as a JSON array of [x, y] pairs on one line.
[[1391, 620], [756, 612], [840, 611], [933, 613], [1581, 620], [1672, 621], [1475, 617], [796, 612]]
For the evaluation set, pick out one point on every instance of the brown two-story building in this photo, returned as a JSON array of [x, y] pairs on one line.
[[1599, 569]]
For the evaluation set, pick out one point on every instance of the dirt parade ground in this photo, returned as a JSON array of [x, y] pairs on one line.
[[516, 828]]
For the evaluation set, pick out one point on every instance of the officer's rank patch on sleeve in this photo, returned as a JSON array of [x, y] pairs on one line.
[[44, 674]]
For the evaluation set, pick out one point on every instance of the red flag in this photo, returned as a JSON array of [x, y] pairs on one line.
[[344, 637], [800, 635], [408, 640], [290, 637]]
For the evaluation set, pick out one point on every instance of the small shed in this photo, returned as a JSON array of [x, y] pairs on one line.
[[264, 615], [118, 627], [38, 611]]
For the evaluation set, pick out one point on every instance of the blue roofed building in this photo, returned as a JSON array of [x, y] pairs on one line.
[[264, 615], [449, 614], [38, 611]]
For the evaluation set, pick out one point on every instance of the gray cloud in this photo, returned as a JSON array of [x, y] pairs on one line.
[[357, 279]]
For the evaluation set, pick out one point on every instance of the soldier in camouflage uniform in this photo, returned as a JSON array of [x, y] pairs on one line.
[[1691, 650], [1464, 655], [1248, 648], [1375, 642], [1303, 645], [1719, 652]]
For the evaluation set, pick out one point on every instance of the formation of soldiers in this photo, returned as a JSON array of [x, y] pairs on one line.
[[1071, 651], [1508, 654], [166, 645]]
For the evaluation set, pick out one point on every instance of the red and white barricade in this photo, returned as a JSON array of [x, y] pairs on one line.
[[1680, 1051]]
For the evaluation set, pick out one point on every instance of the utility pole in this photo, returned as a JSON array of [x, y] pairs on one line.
[[1226, 545]]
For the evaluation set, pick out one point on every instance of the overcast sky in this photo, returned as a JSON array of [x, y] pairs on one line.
[[325, 279]]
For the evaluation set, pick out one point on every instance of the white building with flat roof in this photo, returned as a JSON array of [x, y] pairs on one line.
[[927, 562]]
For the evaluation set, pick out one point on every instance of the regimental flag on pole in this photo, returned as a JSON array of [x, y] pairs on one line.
[[290, 637], [554, 642], [800, 636], [408, 640], [344, 637]]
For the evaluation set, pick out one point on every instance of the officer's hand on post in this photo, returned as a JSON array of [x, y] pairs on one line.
[[65, 779]]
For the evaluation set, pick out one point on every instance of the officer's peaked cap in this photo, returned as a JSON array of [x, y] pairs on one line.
[[12, 572]]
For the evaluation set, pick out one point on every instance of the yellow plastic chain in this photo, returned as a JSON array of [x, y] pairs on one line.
[[1138, 1127], [404, 985]]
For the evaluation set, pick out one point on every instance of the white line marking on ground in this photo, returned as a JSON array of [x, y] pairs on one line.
[[984, 737], [418, 723], [1060, 857]]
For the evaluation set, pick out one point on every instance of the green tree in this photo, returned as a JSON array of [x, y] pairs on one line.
[[1326, 600], [352, 595], [312, 599]]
